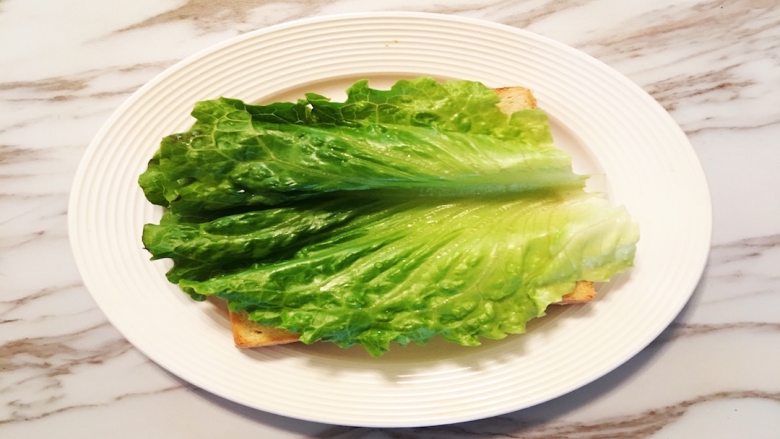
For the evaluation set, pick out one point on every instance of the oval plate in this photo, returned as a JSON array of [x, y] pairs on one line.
[[614, 130]]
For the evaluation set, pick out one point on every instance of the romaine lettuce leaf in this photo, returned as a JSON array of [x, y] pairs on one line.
[[463, 269], [420, 137]]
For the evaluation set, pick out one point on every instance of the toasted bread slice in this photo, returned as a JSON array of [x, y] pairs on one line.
[[583, 291], [515, 99], [248, 334]]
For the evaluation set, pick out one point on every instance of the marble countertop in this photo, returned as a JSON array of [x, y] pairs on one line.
[[66, 372]]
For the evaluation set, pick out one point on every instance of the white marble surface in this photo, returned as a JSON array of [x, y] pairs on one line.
[[66, 372]]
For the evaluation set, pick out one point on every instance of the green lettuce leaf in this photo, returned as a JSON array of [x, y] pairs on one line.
[[420, 137], [463, 269]]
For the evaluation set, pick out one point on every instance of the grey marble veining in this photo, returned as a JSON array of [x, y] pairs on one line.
[[65, 371]]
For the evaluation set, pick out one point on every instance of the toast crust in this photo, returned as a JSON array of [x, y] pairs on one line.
[[515, 99], [248, 334]]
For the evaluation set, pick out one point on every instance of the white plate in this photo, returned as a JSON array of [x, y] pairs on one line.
[[613, 128]]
